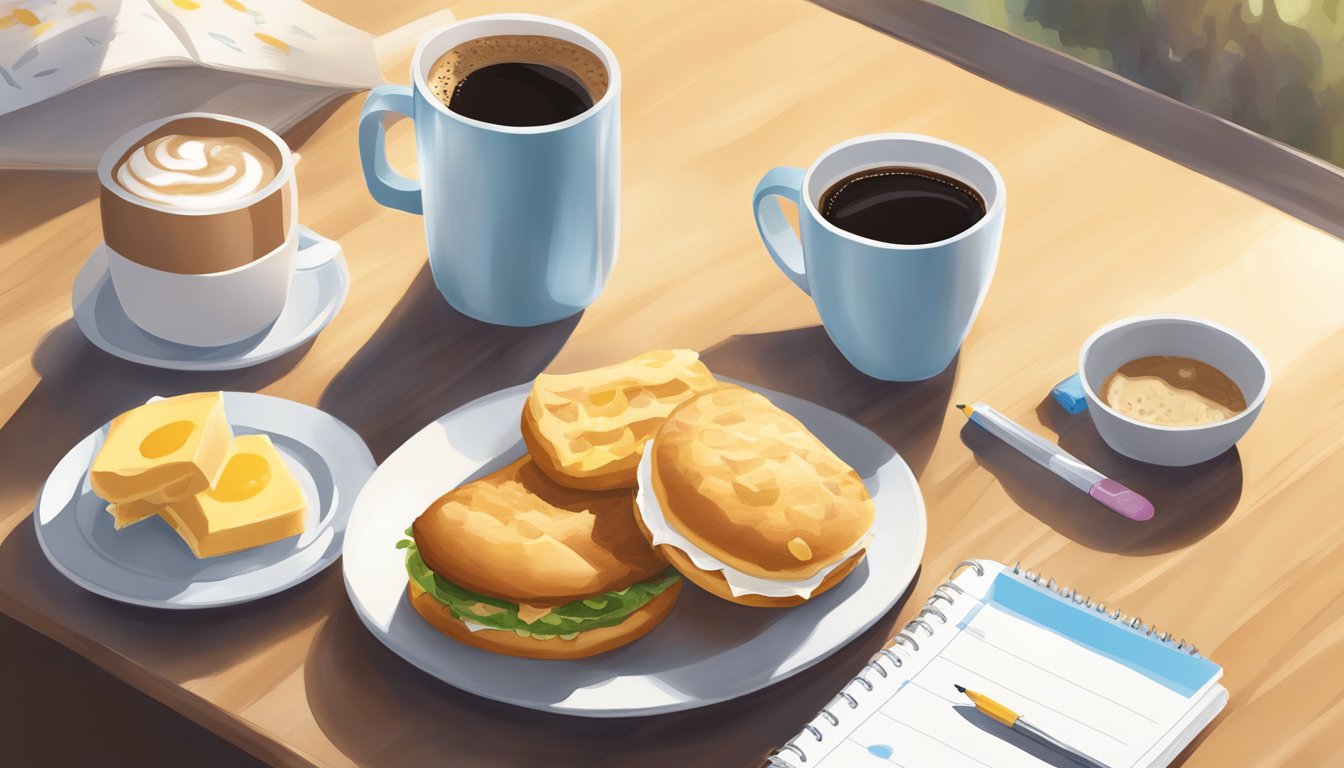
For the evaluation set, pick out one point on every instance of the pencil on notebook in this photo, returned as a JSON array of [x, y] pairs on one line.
[[1011, 719]]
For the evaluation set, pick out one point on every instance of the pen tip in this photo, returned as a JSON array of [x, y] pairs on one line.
[[960, 406], [960, 688]]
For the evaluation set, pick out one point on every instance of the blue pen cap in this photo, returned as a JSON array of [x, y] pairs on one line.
[[1069, 394]]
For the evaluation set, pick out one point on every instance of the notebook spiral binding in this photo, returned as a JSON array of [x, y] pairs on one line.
[[907, 638]]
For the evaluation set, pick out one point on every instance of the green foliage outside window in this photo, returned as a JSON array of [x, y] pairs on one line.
[[1275, 67]]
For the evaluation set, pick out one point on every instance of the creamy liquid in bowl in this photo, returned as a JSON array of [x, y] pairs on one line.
[[186, 171], [1173, 391]]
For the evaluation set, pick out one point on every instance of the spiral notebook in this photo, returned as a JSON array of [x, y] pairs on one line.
[[1105, 683]]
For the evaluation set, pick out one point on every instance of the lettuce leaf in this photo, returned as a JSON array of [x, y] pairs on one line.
[[605, 610]]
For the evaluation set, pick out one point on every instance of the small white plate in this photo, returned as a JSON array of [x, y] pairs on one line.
[[148, 564], [321, 283], [707, 650]]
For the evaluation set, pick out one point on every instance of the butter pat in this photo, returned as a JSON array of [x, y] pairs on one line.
[[163, 451], [256, 501]]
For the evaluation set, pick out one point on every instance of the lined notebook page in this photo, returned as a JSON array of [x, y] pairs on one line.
[[1082, 677]]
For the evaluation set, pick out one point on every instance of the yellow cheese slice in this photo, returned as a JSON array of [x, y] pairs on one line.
[[532, 613], [163, 451], [132, 512], [256, 501]]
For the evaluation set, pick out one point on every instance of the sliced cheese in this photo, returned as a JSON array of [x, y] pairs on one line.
[[256, 501], [131, 512], [485, 609], [474, 627], [163, 451], [530, 614]]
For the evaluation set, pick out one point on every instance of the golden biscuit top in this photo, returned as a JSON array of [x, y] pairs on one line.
[[518, 536], [589, 429], [750, 485]]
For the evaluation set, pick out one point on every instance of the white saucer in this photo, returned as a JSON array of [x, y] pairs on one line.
[[148, 564], [707, 650], [321, 283]]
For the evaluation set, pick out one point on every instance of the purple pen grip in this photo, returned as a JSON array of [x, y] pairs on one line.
[[1121, 499]]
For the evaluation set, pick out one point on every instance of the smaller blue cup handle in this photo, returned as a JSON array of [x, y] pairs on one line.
[[778, 236], [387, 186]]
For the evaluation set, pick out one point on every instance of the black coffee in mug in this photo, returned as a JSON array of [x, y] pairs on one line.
[[518, 80], [902, 206]]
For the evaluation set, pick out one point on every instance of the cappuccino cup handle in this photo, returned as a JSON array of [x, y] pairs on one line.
[[779, 238], [315, 251], [387, 186]]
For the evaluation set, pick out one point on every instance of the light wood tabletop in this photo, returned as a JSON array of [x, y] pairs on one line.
[[1245, 557]]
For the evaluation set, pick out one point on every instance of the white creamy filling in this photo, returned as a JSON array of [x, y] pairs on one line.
[[739, 583], [154, 179]]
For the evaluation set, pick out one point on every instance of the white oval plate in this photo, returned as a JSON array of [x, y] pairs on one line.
[[321, 283], [148, 564], [707, 650]]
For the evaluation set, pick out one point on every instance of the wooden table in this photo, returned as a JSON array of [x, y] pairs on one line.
[[1244, 558]]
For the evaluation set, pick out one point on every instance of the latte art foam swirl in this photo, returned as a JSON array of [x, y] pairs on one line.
[[196, 171]]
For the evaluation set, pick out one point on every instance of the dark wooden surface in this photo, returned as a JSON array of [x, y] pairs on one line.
[[59, 709]]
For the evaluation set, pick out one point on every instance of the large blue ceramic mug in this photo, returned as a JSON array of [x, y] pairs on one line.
[[521, 221], [896, 312]]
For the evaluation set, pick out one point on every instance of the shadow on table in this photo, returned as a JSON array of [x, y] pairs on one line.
[[1193, 746], [1190, 501], [297, 136], [24, 207], [113, 718], [377, 709], [803, 362], [182, 645], [426, 359]]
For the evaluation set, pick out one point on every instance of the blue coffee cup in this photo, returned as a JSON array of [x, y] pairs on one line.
[[521, 222], [896, 312]]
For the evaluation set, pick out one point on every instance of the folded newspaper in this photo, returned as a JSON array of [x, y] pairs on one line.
[[75, 74]]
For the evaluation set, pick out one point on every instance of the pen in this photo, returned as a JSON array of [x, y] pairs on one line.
[[1113, 495], [1014, 721]]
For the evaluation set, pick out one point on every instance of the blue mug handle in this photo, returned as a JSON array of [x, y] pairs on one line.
[[387, 186], [778, 236]]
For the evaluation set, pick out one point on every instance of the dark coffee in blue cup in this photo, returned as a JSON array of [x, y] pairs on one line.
[[518, 80], [902, 206]]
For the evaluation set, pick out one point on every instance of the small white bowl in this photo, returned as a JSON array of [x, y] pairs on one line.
[[1124, 340]]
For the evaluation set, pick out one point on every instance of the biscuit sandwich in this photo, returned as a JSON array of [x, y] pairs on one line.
[[516, 564], [748, 504], [589, 429]]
